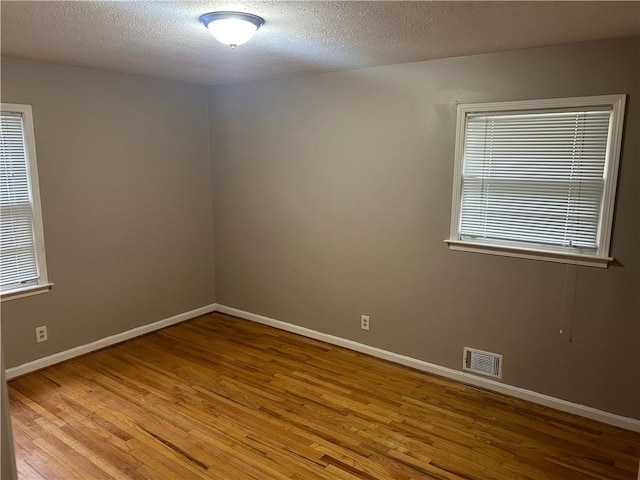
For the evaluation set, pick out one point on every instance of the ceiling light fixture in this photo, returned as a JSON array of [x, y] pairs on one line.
[[232, 28]]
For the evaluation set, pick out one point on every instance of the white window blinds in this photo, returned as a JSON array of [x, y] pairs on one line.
[[18, 262], [535, 177]]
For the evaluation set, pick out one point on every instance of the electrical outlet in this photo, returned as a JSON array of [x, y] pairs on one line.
[[364, 322], [41, 334]]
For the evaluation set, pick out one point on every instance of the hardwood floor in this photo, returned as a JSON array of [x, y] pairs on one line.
[[222, 398]]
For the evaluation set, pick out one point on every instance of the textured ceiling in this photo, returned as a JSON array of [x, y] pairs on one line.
[[165, 39]]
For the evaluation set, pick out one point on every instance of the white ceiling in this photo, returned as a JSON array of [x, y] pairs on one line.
[[165, 39]]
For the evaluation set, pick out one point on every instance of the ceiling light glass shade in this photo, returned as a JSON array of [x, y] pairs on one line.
[[232, 28]]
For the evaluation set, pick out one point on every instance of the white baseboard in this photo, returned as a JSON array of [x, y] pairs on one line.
[[469, 379], [535, 397], [105, 342]]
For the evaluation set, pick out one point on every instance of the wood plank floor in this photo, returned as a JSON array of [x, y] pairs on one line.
[[222, 398]]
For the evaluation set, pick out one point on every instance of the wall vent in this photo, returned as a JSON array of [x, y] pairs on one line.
[[484, 363]]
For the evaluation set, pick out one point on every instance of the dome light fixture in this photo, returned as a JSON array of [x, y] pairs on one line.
[[232, 28]]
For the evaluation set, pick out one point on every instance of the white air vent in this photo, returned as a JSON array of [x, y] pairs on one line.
[[484, 363]]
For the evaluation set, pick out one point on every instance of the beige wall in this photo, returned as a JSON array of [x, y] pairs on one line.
[[332, 197], [126, 200]]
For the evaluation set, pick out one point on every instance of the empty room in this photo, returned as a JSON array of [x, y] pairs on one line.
[[320, 240]]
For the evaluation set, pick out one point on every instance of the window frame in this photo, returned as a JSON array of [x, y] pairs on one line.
[[43, 285], [600, 258]]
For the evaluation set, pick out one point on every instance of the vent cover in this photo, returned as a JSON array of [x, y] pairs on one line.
[[484, 363]]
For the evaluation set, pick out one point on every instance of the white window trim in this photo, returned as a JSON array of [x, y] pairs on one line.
[[43, 284], [601, 258], [26, 291]]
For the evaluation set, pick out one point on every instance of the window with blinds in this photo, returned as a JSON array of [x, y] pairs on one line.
[[22, 264], [538, 176]]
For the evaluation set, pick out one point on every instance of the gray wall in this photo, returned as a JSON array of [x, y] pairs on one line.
[[126, 201], [332, 197]]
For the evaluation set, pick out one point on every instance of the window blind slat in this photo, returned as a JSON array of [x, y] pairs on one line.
[[18, 264], [535, 178]]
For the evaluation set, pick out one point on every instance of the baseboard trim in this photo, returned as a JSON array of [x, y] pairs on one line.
[[466, 378], [44, 362]]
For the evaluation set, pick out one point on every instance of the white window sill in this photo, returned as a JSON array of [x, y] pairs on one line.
[[25, 292], [531, 253]]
